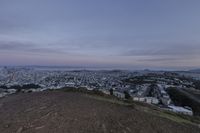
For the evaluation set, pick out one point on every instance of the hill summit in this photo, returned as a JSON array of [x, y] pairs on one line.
[[73, 112]]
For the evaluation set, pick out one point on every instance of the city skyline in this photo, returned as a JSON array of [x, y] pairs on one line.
[[118, 34]]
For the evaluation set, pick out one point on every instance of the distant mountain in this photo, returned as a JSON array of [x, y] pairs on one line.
[[195, 70]]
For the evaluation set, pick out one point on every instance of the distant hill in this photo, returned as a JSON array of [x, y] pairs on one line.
[[73, 112], [195, 70]]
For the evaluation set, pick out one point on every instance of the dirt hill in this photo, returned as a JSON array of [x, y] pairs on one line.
[[73, 112]]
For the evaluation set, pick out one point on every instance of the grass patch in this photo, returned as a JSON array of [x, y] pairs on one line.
[[153, 110], [110, 100], [175, 118], [95, 94]]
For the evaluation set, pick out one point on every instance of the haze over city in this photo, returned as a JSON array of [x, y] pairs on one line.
[[134, 34]]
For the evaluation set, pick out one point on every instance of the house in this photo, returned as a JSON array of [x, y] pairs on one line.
[[3, 94], [88, 88], [119, 94], [149, 100], [70, 84], [180, 110], [107, 92], [135, 98], [155, 101], [140, 99], [11, 91], [165, 100]]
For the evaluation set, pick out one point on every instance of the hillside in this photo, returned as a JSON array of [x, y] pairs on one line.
[[186, 97], [73, 112]]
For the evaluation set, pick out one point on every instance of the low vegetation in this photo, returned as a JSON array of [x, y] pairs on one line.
[[181, 99]]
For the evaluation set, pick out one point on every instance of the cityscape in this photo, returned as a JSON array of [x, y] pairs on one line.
[[143, 86], [99, 66]]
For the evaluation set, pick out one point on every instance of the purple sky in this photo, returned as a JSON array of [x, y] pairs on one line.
[[132, 34]]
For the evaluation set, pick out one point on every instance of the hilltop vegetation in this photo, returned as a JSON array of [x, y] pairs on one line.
[[183, 98]]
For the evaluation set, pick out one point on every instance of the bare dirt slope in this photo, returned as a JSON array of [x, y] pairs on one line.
[[69, 112]]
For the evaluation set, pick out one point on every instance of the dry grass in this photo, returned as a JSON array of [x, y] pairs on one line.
[[74, 112]]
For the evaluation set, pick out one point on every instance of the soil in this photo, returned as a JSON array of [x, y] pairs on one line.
[[72, 112]]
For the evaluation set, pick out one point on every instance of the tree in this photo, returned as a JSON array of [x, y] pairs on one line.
[[127, 95], [111, 91]]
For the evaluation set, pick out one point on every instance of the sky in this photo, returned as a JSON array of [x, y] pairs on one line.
[[132, 34]]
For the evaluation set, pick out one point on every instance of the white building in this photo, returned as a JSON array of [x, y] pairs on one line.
[[119, 94], [149, 100], [107, 92], [166, 99], [180, 110], [140, 99], [11, 91], [3, 94], [70, 84]]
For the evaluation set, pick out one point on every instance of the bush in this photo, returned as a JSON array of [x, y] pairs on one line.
[[127, 95]]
